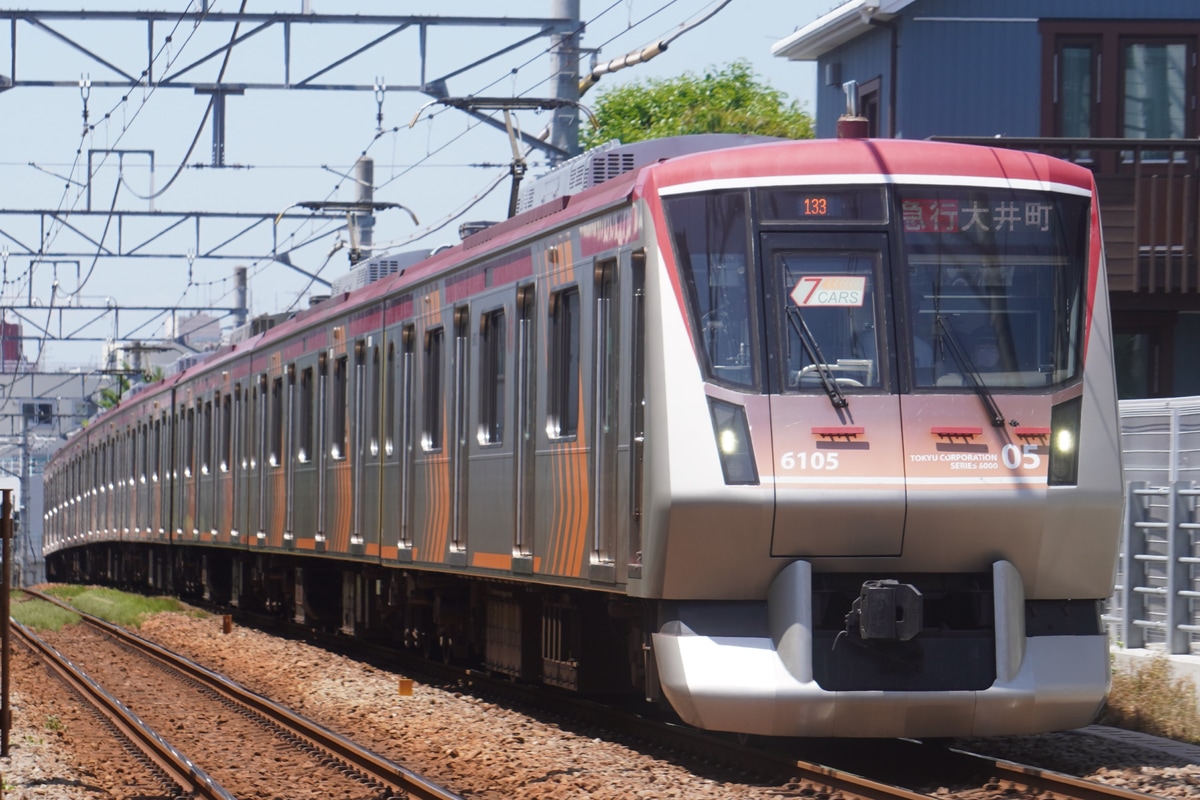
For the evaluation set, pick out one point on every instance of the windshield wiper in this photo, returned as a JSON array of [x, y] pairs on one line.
[[963, 359], [814, 352]]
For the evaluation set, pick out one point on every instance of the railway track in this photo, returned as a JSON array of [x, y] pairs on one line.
[[859, 770], [377, 777]]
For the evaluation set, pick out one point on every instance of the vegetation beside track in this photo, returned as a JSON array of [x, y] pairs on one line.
[[112, 605], [1146, 697]]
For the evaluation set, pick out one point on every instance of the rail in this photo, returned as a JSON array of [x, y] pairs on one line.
[[175, 766]]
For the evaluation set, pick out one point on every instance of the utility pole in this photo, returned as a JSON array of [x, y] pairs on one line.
[[564, 66], [364, 174], [239, 297]]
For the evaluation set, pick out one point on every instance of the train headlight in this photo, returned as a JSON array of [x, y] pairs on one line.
[[733, 442], [1064, 443]]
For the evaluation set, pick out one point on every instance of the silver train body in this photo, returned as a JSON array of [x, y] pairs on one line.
[[807, 438]]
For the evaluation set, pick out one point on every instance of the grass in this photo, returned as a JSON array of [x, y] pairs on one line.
[[117, 607], [39, 615], [1145, 697]]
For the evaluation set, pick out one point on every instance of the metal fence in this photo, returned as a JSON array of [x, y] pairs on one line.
[[1156, 600]]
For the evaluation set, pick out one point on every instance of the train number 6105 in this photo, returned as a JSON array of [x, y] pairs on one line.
[[802, 460]]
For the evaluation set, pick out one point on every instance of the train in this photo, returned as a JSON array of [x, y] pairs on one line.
[[798, 438]]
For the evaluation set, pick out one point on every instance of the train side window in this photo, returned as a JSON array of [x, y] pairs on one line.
[[340, 399], [226, 433], [374, 408], [390, 400], [144, 458], [252, 400], [492, 346], [189, 442], [206, 439], [562, 402], [276, 448], [431, 428], [157, 451], [305, 439]]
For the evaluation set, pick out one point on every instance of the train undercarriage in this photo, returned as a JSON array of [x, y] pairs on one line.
[[582, 641]]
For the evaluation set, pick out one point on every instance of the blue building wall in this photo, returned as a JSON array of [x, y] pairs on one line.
[[967, 67]]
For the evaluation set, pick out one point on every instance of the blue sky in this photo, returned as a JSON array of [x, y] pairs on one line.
[[297, 145]]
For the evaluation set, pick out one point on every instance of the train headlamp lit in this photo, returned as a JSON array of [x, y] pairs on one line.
[[733, 442], [1064, 443]]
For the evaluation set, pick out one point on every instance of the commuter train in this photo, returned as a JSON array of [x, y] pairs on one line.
[[806, 438]]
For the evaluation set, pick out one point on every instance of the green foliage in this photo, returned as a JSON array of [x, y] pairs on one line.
[[119, 608], [39, 615], [1147, 698], [110, 396], [726, 100]]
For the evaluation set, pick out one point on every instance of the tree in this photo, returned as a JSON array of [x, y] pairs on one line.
[[726, 100]]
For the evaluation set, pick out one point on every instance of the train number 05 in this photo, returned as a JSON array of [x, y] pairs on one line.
[[1025, 456], [818, 460]]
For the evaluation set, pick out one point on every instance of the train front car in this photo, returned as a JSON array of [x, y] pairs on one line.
[[885, 490]]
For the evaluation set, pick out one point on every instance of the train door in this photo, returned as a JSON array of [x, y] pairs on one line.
[[258, 460], [237, 498], [372, 451], [457, 444], [206, 524], [405, 444], [490, 472], [605, 333], [288, 455], [835, 413], [322, 449], [223, 507], [636, 401], [275, 500], [302, 490], [524, 436]]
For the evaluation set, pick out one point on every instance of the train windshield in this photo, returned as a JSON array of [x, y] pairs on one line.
[[995, 283], [985, 286], [710, 234]]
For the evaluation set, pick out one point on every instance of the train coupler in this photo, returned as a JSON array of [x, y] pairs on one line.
[[886, 610]]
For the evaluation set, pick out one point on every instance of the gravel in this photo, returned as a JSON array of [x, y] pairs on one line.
[[479, 749]]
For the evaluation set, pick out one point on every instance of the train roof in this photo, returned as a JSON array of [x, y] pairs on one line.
[[696, 163], [865, 160]]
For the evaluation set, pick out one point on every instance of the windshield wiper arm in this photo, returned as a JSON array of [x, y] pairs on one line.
[[963, 359], [814, 352]]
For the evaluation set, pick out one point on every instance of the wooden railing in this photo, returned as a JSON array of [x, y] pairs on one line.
[[1149, 205]]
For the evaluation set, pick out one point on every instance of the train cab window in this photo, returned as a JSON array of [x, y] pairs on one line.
[[995, 285], [710, 238], [276, 444], [341, 384], [830, 311], [492, 343], [304, 440], [431, 427], [562, 412]]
